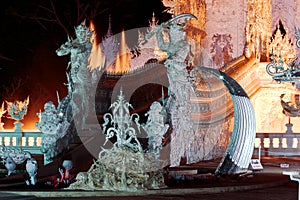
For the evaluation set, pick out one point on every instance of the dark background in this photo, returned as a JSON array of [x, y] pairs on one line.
[[32, 30]]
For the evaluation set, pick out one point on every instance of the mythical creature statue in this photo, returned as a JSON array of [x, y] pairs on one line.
[[80, 77], [17, 109], [171, 38], [155, 127], [54, 126], [282, 72], [31, 169], [49, 119], [12, 157], [291, 109], [10, 165]]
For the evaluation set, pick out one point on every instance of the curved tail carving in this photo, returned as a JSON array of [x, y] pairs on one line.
[[238, 154]]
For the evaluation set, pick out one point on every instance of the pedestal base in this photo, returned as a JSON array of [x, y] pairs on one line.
[[18, 126], [289, 128]]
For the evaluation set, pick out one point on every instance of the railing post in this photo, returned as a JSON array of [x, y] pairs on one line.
[[271, 142], [26, 141], [289, 141], [259, 152]]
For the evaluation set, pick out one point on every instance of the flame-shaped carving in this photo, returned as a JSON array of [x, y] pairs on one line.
[[2, 111], [17, 109]]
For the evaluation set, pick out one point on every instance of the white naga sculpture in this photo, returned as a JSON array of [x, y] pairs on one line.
[[80, 77], [171, 38], [12, 157], [156, 127], [124, 167]]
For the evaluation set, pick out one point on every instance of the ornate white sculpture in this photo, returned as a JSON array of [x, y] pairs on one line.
[[54, 126], [12, 157], [49, 119], [282, 72], [31, 169], [171, 38], [122, 121], [57, 124], [291, 109], [10, 166], [156, 127], [124, 167], [80, 77], [17, 110], [2, 112]]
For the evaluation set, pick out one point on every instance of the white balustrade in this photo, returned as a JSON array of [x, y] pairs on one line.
[[28, 141], [277, 144]]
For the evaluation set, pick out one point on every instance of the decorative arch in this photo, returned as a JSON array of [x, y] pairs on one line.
[[284, 11]]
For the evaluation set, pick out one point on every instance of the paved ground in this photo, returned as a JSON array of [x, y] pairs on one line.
[[264, 185], [283, 192]]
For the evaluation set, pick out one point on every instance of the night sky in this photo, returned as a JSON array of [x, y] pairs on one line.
[[30, 34]]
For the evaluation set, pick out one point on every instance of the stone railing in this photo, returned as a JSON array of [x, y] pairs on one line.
[[27, 141], [272, 144], [277, 144]]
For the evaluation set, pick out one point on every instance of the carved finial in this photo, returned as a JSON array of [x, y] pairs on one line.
[[121, 92], [109, 30], [83, 23], [153, 22]]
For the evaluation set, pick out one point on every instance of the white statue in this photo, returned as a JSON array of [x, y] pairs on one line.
[[54, 125], [17, 109], [49, 119], [80, 77], [12, 157], [31, 169], [10, 165], [171, 38], [155, 127]]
